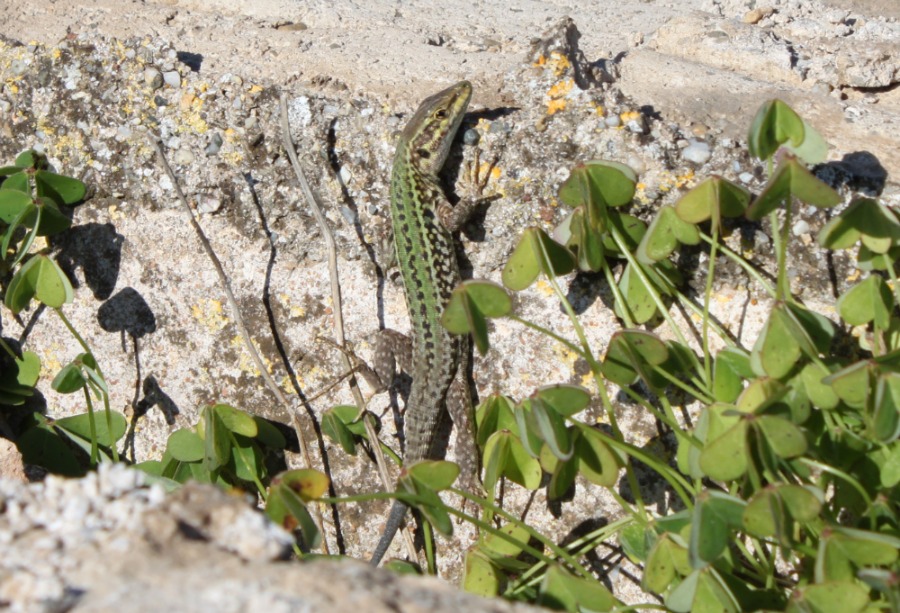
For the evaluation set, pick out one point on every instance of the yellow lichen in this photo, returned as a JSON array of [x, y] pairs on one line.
[[544, 287], [565, 355], [557, 94], [559, 63], [245, 362], [210, 314], [555, 106], [685, 179]]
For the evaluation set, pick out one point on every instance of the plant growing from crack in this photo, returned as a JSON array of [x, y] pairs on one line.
[[787, 478]]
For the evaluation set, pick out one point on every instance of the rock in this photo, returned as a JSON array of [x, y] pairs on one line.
[[172, 78], [697, 152], [183, 156], [215, 144], [153, 78], [110, 542]]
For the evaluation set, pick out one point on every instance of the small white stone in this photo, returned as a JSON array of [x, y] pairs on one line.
[[800, 227], [697, 152], [208, 204], [172, 78], [184, 156], [153, 78], [299, 111]]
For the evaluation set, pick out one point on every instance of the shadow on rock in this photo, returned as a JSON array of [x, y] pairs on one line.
[[859, 171], [97, 250], [127, 312]]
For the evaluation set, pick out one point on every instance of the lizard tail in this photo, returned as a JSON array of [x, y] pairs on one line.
[[398, 512]]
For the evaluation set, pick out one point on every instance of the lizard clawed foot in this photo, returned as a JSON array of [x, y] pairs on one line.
[[477, 180]]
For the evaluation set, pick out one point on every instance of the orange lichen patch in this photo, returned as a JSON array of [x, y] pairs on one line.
[[559, 63], [191, 120], [598, 108], [628, 116], [640, 193], [561, 89], [557, 94], [554, 106]]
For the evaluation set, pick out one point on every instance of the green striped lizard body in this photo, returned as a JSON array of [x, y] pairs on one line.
[[423, 223]]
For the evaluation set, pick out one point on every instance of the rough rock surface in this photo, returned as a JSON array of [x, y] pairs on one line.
[[88, 84], [109, 543]]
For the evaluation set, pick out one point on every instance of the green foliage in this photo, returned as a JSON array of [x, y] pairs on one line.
[[34, 202], [229, 447], [785, 483], [787, 479]]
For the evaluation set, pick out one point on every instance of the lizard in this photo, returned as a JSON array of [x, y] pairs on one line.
[[424, 222]]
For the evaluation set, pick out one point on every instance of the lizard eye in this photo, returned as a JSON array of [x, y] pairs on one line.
[[441, 113]]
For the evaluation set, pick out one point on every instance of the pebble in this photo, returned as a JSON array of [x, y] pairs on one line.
[[758, 14], [215, 143], [636, 164], [18, 67], [612, 121], [697, 151], [500, 127], [299, 111], [184, 157], [172, 78], [821, 88], [153, 78], [208, 204], [123, 133], [471, 137], [345, 175], [800, 227], [349, 214], [638, 125], [746, 177]]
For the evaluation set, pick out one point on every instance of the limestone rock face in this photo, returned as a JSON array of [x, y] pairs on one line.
[[108, 542]]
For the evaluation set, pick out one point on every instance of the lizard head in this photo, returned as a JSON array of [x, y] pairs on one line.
[[431, 130]]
